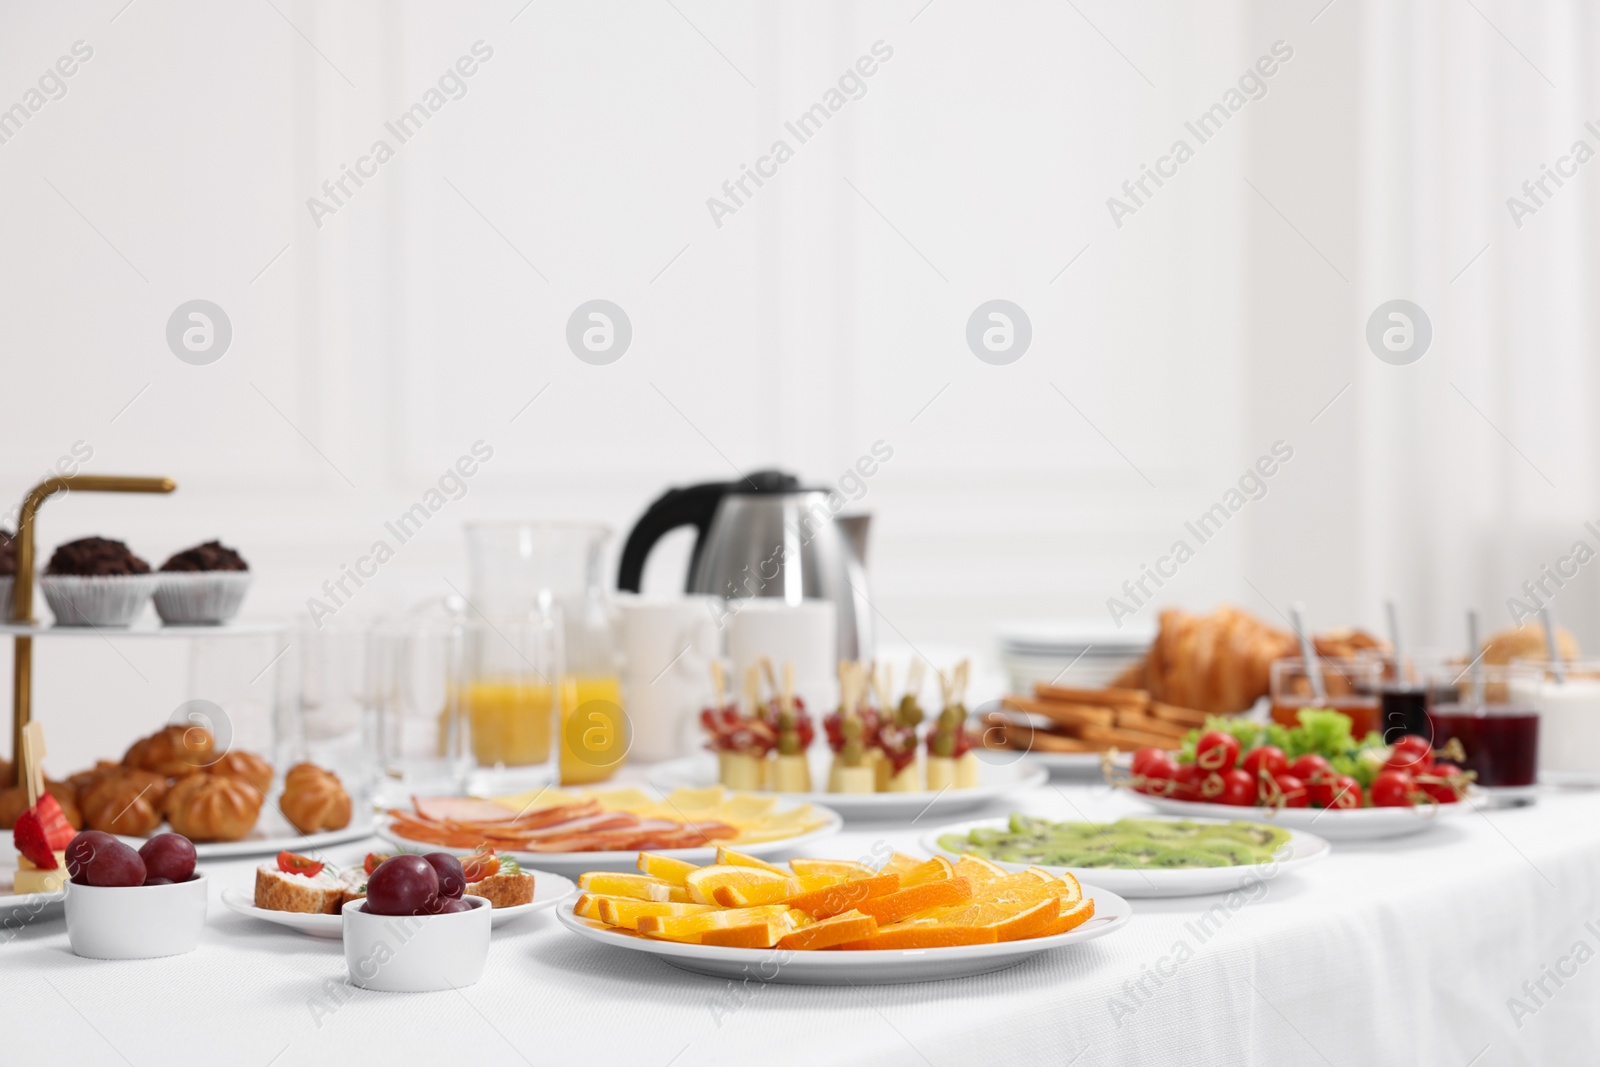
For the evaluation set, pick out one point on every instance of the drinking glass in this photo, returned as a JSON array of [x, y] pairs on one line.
[[1352, 686], [1569, 719], [1496, 722]]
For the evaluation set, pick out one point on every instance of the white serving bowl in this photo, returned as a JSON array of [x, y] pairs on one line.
[[416, 953], [136, 922]]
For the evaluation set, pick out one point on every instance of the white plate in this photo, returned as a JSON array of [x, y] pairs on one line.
[[575, 863], [998, 778], [548, 890], [276, 835], [1111, 913], [1356, 824], [1301, 849]]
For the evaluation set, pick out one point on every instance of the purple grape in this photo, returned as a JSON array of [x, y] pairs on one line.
[[169, 857], [448, 906], [82, 850], [452, 879], [114, 864], [158, 880], [402, 885]]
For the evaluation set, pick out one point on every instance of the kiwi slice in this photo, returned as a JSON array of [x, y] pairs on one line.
[[1177, 858], [1235, 853], [1158, 830], [1270, 838]]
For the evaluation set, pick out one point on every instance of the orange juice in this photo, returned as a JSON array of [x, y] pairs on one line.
[[511, 722], [594, 745]]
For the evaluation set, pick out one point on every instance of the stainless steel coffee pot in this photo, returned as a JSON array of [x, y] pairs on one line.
[[765, 536]]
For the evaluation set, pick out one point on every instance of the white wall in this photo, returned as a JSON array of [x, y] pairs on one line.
[[831, 309]]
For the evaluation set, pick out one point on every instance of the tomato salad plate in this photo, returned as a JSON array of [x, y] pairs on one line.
[[1314, 777], [599, 830], [837, 922], [1137, 857], [999, 776]]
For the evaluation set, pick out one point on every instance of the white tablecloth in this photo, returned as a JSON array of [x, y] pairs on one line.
[[1412, 951]]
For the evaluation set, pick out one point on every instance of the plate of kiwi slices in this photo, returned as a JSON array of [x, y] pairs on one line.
[[1150, 856]]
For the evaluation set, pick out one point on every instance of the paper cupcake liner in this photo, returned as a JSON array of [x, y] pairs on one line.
[[102, 600], [200, 597]]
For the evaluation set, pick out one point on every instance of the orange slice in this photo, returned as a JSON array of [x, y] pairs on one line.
[[620, 911], [849, 926], [588, 906], [834, 899], [702, 882], [923, 934], [637, 886], [839, 870], [665, 868], [729, 858], [1029, 922], [901, 864], [747, 896], [1070, 918], [934, 870], [978, 870], [691, 927], [763, 934], [907, 902]]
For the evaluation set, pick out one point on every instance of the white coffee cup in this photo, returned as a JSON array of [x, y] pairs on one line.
[[668, 644], [802, 634]]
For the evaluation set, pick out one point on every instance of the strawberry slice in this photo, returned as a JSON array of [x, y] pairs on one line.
[[57, 830], [31, 840]]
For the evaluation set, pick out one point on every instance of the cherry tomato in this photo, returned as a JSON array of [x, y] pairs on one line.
[[1269, 758], [1142, 758], [291, 863], [1338, 791], [1410, 754], [1310, 768], [1443, 783], [1217, 751], [1186, 783], [1393, 789], [1238, 789], [1156, 777], [1208, 787], [1292, 790], [372, 861]]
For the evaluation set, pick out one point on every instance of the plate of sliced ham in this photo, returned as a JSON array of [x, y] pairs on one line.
[[570, 838]]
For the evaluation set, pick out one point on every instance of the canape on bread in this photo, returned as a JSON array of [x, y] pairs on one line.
[[498, 879], [847, 734], [299, 883], [741, 742], [791, 771], [951, 762]]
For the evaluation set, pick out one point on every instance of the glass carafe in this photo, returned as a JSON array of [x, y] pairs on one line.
[[523, 570]]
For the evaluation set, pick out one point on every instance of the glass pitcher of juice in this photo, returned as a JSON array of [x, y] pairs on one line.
[[522, 570]]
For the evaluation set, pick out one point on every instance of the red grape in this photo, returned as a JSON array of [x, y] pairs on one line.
[[402, 885], [447, 906], [158, 880], [168, 856], [81, 849], [452, 880], [113, 864]]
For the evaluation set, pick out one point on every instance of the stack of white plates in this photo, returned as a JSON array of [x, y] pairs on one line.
[[1084, 653]]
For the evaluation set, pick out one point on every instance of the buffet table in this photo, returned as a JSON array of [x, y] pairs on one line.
[[1393, 952]]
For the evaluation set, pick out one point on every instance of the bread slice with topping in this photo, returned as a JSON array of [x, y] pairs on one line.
[[317, 894]]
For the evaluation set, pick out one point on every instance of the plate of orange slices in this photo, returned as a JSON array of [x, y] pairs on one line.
[[833, 922]]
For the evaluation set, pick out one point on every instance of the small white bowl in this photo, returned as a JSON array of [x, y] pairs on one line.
[[136, 922], [416, 953]]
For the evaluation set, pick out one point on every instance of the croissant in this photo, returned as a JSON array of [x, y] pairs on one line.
[[173, 751], [246, 766], [124, 801], [209, 807], [314, 800], [14, 801], [81, 781]]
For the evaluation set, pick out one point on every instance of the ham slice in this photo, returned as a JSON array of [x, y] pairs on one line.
[[461, 810]]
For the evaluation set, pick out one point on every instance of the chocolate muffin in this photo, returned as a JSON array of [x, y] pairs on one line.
[[211, 556], [96, 581], [202, 585], [95, 556]]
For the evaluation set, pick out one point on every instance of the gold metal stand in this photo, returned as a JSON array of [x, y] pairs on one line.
[[22, 591]]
